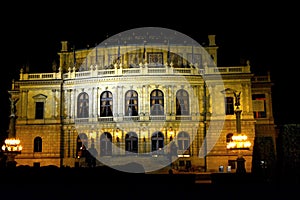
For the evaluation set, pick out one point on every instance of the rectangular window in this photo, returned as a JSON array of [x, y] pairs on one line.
[[155, 59], [181, 163], [194, 58], [229, 108], [231, 163], [39, 110], [134, 59], [259, 106]]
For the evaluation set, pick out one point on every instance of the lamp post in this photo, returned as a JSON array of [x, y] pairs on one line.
[[239, 141], [12, 145]]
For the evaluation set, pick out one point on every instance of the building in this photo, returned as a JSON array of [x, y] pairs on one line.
[[150, 96]]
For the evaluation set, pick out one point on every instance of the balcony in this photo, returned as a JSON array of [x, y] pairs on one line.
[[143, 70]]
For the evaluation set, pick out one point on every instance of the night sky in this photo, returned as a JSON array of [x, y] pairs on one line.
[[266, 35]]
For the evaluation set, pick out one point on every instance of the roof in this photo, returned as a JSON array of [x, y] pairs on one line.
[[149, 36]]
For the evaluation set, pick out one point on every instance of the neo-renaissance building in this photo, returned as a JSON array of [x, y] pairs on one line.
[[149, 99]]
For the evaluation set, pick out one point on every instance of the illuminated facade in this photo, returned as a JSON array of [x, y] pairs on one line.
[[123, 100]]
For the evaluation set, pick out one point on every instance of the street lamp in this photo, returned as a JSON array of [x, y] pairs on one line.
[[12, 145], [239, 141], [11, 148]]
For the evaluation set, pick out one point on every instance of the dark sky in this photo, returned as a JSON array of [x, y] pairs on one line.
[[264, 34]]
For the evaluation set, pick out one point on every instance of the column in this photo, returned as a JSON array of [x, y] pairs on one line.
[[54, 104], [72, 103]]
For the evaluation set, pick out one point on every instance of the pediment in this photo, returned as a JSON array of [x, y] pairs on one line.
[[228, 91], [40, 96]]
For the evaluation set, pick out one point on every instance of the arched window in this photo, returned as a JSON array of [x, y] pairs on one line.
[[131, 103], [106, 144], [157, 141], [182, 102], [183, 140], [83, 105], [81, 145], [157, 102], [37, 144], [106, 104], [131, 142]]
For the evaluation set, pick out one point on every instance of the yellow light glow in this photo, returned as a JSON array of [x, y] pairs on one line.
[[239, 142], [171, 131], [12, 145], [12, 141]]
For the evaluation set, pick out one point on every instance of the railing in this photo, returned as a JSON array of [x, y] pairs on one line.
[[261, 79], [128, 119], [143, 70], [105, 119], [184, 118], [154, 118], [131, 118]]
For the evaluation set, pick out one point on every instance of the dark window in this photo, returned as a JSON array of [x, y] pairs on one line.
[[37, 144], [81, 145], [39, 110], [157, 102], [131, 103], [106, 144], [181, 163], [106, 104], [232, 163], [182, 103], [176, 59], [131, 142], [157, 140], [229, 108], [83, 105], [183, 140]]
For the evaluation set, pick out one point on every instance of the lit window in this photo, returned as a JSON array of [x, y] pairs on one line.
[[157, 102], [106, 104], [131, 103], [182, 102], [83, 105]]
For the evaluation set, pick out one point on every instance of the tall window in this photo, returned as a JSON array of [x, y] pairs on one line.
[[83, 105], [183, 140], [131, 103], [37, 144], [182, 102], [229, 108], [131, 142], [106, 144], [39, 100], [81, 145], [39, 110], [259, 105], [157, 102], [106, 104], [157, 140]]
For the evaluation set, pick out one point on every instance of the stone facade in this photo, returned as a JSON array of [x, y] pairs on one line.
[[129, 101]]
